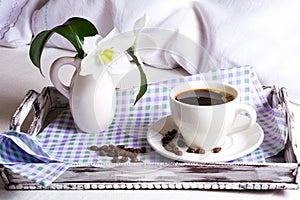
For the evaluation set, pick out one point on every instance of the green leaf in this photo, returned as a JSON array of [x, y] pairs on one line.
[[37, 46], [143, 80], [74, 30]]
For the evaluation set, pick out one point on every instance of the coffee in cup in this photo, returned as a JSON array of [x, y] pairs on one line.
[[205, 112], [204, 97]]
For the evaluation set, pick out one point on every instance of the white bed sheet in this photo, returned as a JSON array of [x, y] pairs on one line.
[[18, 76], [264, 34]]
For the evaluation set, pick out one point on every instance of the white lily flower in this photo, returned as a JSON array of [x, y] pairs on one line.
[[109, 53], [106, 54]]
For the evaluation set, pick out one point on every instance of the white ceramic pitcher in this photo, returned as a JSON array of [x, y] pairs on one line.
[[92, 101]]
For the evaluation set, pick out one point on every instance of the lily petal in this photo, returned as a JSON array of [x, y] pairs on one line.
[[90, 43], [90, 65], [118, 43], [139, 24], [120, 65], [113, 33]]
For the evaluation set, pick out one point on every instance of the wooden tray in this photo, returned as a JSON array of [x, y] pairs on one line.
[[280, 172]]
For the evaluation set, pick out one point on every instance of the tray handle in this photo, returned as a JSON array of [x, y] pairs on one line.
[[23, 110], [32, 100], [278, 98]]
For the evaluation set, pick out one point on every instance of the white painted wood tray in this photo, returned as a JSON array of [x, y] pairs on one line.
[[280, 172]]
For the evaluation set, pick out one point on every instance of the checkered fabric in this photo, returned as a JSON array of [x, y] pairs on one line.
[[60, 145]]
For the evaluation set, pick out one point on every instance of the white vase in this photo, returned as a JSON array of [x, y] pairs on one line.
[[92, 101]]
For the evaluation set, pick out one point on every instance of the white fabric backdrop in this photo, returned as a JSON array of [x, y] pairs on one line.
[[264, 34]]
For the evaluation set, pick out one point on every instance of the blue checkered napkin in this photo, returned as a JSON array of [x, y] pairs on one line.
[[20, 152]]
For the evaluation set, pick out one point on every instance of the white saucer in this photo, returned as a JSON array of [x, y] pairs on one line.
[[235, 145]]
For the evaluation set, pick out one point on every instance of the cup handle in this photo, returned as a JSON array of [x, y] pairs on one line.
[[252, 116], [54, 69]]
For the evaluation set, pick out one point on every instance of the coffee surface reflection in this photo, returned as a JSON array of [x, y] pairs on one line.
[[204, 97]]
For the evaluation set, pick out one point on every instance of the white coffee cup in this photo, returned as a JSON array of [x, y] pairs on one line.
[[206, 126]]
